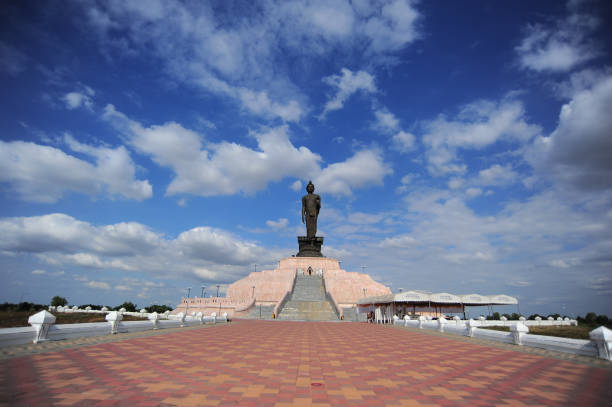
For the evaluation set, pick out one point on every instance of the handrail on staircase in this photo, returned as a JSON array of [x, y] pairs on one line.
[[331, 298], [279, 305]]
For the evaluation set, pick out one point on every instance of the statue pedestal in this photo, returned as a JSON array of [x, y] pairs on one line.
[[310, 247]]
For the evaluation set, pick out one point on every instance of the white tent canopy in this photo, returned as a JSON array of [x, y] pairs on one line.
[[440, 298]]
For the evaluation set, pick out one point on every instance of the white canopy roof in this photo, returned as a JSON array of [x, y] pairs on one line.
[[440, 298]]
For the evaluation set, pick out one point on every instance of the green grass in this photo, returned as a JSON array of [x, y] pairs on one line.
[[574, 332], [14, 319]]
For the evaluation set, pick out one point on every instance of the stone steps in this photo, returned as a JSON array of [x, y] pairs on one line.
[[308, 302], [266, 312], [308, 311]]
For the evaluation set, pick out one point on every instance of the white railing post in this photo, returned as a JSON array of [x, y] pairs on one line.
[[406, 319], [602, 337], [200, 317], [181, 317], [471, 325], [114, 318], [41, 322], [441, 322], [214, 317], [421, 320], [518, 330], [154, 317]]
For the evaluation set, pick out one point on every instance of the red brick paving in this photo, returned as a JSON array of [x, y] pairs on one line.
[[259, 363]]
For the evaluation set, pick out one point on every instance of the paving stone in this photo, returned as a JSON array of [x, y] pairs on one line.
[[275, 363]]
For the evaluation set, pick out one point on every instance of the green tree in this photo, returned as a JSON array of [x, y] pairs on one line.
[[128, 305], [57, 301], [160, 309], [93, 306], [590, 318]]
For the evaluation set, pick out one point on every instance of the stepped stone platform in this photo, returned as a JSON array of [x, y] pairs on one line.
[[308, 301], [267, 288]]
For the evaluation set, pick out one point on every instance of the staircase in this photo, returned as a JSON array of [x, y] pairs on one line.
[[260, 312], [308, 301]]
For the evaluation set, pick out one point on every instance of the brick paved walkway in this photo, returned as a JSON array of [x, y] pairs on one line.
[[258, 363]]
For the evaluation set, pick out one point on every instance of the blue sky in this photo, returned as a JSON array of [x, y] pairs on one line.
[[464, 147]]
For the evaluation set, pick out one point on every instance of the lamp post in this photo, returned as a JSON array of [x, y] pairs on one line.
[[253, 291], [187, 301], [364, 291], [363, 268], [203, 289], [255, 267], [218, 285]]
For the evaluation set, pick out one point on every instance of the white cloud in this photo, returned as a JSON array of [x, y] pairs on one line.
[[578, 151], [59, 239], [386, 121], [98, 285], [218, 246], [455, 183], [400, 241], [477, 126], [78, 99], [243, 52], [227, 168], [519, 283], [296, 185], [559, 48], [44, 174], [403, 142], [347, 83], [473, 192], [39, 272], [365, 168], [361, 218], [497, 175], [281, 223]]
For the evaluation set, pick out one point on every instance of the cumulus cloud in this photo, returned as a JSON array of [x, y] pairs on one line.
[[97, 284], [346, 84], [578, 152], [478, 125], [281, 223], [386, 122], [403, 141], [227, 168], [580, 148], [365, 168], [42, 173], [559, 47], [59, 239], [473, 192], [497, 175], [240, 51], [78, 99]]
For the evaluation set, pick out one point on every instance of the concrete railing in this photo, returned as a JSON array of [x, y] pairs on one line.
[[330, 298], [279, 305], [600, 344], [43, 327]]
